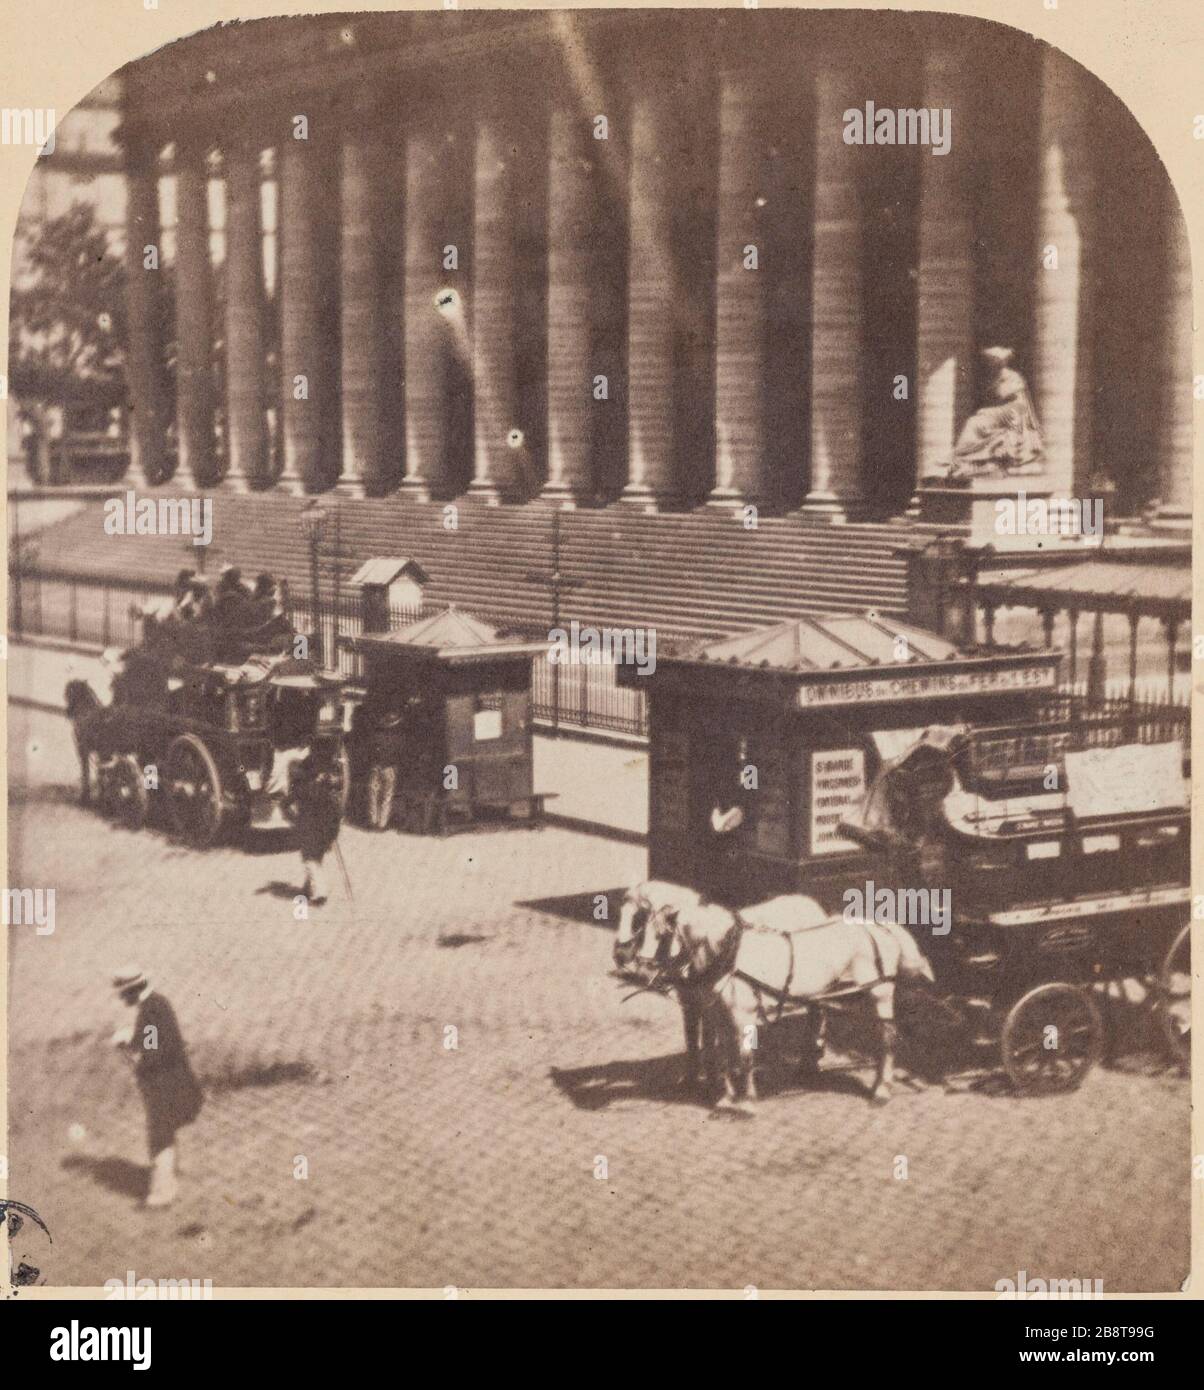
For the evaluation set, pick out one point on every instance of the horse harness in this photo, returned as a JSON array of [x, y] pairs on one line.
[[783, 995]]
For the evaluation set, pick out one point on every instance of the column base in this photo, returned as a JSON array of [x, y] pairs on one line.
[[826, 508], [414, 489], [181, 480], [728, 499], [291, 485], [238, 483], [647, 498], [491, 494], [351, 488], [562, 495]]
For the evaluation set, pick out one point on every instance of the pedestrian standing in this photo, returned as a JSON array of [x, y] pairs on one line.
[[315, 795], [155, 1049]]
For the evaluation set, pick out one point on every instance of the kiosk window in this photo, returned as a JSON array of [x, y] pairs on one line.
[[487, 721]]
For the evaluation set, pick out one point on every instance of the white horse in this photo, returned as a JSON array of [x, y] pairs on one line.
[[642, 903], [744, 969]]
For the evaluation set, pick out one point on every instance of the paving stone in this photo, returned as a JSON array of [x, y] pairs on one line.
[[476, 1167]]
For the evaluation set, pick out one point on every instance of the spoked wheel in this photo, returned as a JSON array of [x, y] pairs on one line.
[[194, 791], [126, 796], [1052, 1037], [381, 790], [1173, 1005], [90, 790]]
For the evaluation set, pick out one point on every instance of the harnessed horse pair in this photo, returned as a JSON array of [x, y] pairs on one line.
[[735, 973]]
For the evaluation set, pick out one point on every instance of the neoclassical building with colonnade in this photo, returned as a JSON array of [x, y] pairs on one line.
[[629, 258]]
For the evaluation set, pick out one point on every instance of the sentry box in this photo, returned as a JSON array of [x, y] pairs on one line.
[[762, 744], [443, 736]]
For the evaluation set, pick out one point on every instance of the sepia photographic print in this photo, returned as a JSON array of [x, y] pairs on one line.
[[599, 660]]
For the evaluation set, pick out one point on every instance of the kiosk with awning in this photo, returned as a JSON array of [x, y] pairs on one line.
[[444, 731], [762, 744]]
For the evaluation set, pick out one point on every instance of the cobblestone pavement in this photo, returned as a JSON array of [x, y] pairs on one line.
[[326, 1039]]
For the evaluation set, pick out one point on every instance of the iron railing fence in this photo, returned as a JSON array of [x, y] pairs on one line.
[[86, 609], [1067, 722], [77, 609]]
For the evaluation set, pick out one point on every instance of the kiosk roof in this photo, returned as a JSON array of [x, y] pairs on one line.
[[450, 635], [829, 642]]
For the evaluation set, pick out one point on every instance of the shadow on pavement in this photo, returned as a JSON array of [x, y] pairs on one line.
[[41, 794], [279, 889], [606, 1083], [579, 907], [116, 1174]]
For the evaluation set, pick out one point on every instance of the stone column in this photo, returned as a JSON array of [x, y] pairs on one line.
[[426, 328], [362, 307], [498, 438], [302, 354], [146, 397], [195, 391], [1175, 434], [572, 222], [246, 427], [741, 295], [837, 309], [1062, 362], [652, 289], [945, 274]]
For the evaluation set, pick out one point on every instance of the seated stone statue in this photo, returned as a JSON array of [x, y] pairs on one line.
[[1002, 436]]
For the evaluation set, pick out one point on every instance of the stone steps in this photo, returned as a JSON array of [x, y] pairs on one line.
[[690, 575]]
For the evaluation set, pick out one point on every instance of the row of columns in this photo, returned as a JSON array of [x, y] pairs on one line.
[[484, 332]]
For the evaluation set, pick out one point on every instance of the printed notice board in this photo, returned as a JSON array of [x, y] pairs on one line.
[[837, 790]]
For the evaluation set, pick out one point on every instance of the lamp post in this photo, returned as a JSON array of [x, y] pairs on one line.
[[313, 523], [557, 583]]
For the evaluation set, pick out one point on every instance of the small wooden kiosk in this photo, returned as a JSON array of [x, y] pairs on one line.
[[385, 583], [790, 724], [444, 733]]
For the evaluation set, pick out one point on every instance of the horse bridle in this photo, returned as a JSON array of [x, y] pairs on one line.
[[724, 963]]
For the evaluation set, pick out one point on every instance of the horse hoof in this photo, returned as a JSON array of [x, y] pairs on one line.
[[879, 1097]]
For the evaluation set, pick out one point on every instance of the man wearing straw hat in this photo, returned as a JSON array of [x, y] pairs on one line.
[[155, 1049]]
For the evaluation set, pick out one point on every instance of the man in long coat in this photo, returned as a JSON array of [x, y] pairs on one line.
[[315, 795], [154, 1046]]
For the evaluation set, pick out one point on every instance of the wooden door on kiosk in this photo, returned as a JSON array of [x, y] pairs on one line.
[[488, 741]]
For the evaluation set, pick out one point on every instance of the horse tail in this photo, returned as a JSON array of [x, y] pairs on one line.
[[912, 961]]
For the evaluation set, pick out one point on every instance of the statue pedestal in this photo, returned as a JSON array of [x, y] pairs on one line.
[[1013, 513]]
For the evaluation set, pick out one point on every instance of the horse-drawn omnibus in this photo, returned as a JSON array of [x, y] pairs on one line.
[[848, 769], [1064, 845], [209, 743]]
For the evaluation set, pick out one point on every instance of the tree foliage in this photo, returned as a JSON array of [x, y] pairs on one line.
[[68, 327]]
